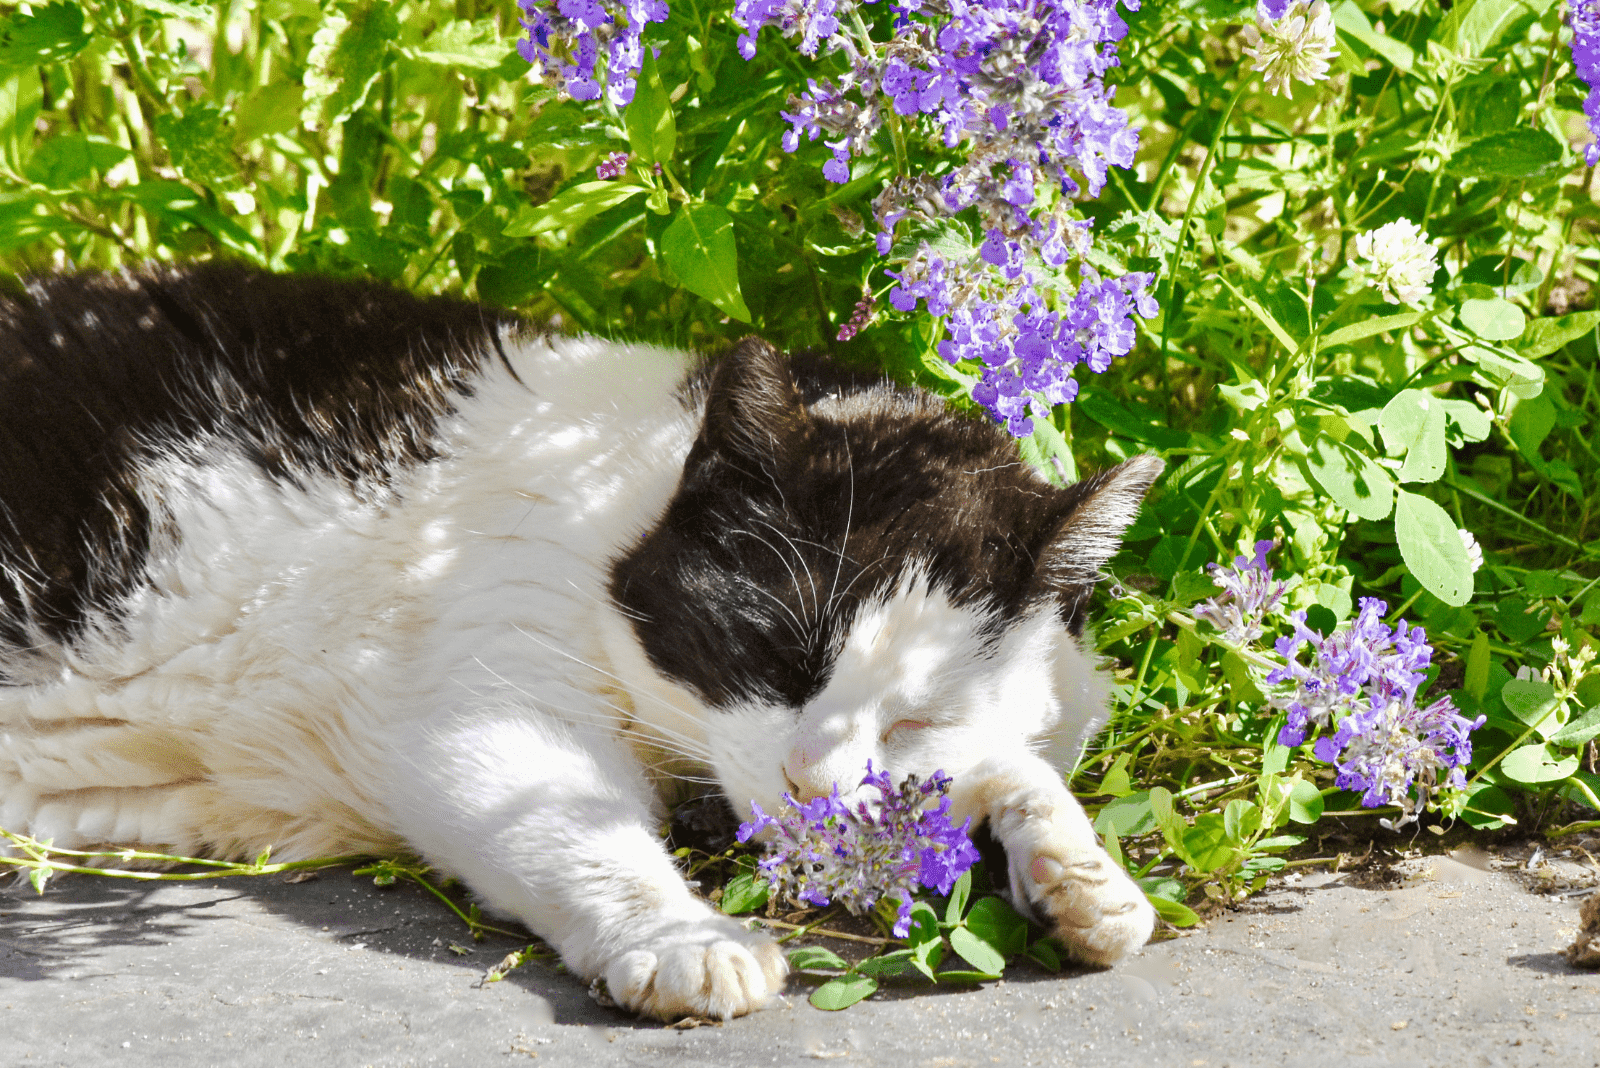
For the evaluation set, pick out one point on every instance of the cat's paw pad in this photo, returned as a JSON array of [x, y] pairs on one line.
[[1097, 911], [719, 971]]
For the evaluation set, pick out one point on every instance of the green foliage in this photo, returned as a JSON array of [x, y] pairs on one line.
[[404, 140]]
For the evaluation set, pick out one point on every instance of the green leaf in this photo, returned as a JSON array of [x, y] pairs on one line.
[[1305, 802], [888, 965], [1473, 27], [199, 142], [1346, 335], [1532, 701], [348, 54], [177, 201], [51, 34], [1534, 764], [1208, 844], [1530, 424], [1126, 816], [1174, 912], [571, 208], [699, 248], [958, 897], [1485, 807], [744, 892], [1163, 886], [1240, 819], [21, 96], [1173, 828], [70, 158], [1116, 782], [1524, 152], [1354, 480], [1476, 679], [1432, 549], [997, 923], [38, 877], [1493, 319], [652, 131], [843, 992], [975, 951], [1583, 729], [815, 958], [925, 956], [1414, 421], [1547, 335], [1281, 841], [193, 10], [463, 45], [1349, 18], [1044, 951], [1470, 420], [1524, 378]]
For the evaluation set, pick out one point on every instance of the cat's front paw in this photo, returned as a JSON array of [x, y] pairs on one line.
[[1094, 908], [712, 968]]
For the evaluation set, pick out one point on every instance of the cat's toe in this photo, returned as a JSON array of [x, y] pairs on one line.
[[1098, 912], [716, 976]]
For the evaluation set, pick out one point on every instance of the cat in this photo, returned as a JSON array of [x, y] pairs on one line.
[[323, 566]]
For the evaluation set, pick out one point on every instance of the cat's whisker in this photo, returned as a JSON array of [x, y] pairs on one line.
[[794, 576], [816, 602], [797, 628], [849, 517], [611, 602]]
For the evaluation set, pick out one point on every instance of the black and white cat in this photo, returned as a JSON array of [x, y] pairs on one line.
[[323, 566]]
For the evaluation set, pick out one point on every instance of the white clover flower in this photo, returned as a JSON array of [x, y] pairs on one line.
[[1474, 550], [1398, 260], [1293, 48]]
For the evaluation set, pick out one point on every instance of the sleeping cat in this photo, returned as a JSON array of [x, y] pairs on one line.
[[323, 566]]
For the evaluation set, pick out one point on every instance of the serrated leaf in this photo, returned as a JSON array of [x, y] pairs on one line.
[[652, 130], [463, 45], [1431, 546], [1354, 480], [843, 992], [52, 33], [1414, 421], [975, 951], [814, 958], [744, 892], [199, 143], [1549, 334], [347, 56], [570, 208], [699, 248], [1534, 764], [1493, 319]]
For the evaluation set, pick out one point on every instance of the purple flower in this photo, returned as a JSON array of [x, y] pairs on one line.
[[1248, 594], [1361, 682], [823, 851], [576, 28], [613, 166], [1583, 16]]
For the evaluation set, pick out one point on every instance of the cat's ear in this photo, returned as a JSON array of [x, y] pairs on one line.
[[754, 412], [1095, 513]]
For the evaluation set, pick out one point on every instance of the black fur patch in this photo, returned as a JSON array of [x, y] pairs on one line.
[[811, 489], [99, 372]]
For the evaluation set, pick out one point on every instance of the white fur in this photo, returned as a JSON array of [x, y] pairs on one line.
[[441, 668]]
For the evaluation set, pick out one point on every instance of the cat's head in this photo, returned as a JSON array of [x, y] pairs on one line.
[[848, 571]]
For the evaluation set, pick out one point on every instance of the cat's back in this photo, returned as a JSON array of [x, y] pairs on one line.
[[104, 376]]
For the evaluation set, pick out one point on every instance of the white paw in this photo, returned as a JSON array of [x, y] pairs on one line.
[[1095, 909], [711, 967]]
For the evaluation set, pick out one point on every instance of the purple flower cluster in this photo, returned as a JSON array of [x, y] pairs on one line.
[[1583, 16], [1017, 86], [1249, 592], [1362, 680], [823, 851], [564, 39], [613, 166]]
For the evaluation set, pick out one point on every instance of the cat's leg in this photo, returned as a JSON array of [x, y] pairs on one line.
[[1058, 869], [555, 827]]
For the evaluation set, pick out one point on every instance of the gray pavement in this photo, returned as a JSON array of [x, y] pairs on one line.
[[1456, 965]]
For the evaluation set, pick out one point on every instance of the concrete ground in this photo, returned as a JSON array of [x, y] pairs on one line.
[[1447, 963]]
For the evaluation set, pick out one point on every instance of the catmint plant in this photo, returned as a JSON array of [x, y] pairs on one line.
[[1015, 88], [565, 37], [823, 851], [1357, 691]]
